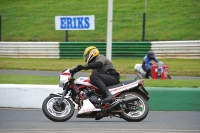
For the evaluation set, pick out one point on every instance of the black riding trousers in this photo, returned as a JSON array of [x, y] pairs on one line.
[[103, 80]]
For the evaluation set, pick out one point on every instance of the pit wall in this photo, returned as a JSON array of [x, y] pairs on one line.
[[161, 98]]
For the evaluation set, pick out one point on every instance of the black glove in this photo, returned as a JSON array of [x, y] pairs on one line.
[[79, 67], [73, 71]]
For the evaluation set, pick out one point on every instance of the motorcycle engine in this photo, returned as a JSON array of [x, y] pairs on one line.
[[94, 98]]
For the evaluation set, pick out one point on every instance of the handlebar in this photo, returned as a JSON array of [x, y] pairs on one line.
[[74, 71]]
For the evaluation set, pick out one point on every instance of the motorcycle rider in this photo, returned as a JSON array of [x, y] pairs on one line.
[[103, 72], [147, 62]]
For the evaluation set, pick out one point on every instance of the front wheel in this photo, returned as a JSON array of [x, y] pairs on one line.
[[56, 112], [134, 111]]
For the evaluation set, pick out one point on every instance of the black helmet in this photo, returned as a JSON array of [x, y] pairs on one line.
[[151, 54]]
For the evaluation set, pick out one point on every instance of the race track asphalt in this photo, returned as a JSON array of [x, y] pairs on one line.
[[79, 74], [34, 121]]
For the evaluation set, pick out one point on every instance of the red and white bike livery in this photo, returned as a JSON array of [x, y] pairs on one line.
[[130, 104]]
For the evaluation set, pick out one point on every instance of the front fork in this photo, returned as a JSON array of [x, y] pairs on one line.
[[65, 90]]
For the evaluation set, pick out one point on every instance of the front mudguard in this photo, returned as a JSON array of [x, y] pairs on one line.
[[59, 94]]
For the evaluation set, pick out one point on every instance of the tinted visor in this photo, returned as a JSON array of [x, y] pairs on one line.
[[151, 55], [85, 56]]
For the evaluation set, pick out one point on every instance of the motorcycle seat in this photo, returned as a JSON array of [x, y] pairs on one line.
[[120, 84]]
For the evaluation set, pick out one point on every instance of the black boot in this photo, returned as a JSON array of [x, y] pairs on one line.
[[98, 118], [148, 71], [109, 98], [146, 76]]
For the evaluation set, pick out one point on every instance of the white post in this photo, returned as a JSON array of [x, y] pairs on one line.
[[109, 30]]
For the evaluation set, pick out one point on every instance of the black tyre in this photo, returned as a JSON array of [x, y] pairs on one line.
[[134, 111], [55, 112], [169, 77]]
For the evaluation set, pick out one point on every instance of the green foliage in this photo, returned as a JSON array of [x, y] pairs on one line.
[[31, 20]]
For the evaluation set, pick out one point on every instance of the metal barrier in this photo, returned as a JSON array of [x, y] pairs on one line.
[[162, 49], [119, 49], [29, 49], [176, 49]]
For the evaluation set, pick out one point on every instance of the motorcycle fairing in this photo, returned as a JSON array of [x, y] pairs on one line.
[[121, 84], [138, 67], [84, 81], [124, 86], [114, 89], [140, 88], [88, 107], [63, 78], [143, 90]]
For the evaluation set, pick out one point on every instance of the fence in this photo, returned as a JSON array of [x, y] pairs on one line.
[[29, 49], [176, 49], [162, 49], [119, 49]]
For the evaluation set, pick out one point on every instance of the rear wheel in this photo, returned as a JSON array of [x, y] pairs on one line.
[[56, 112], [169, 77], [134, 111]]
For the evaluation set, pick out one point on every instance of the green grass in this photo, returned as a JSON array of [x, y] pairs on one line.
[[53, 80], [33, 20], [27, 79], [177, 67]]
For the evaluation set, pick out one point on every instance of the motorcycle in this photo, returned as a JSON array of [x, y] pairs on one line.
[[130, 104], [160, 71]]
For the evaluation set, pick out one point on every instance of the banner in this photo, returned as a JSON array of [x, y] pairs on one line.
[[75, 22]]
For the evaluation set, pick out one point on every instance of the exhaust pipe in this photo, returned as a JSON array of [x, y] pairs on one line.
[[119, 101], [127, 100]]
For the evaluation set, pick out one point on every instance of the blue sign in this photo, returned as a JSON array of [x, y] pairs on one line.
[[74, 22]]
